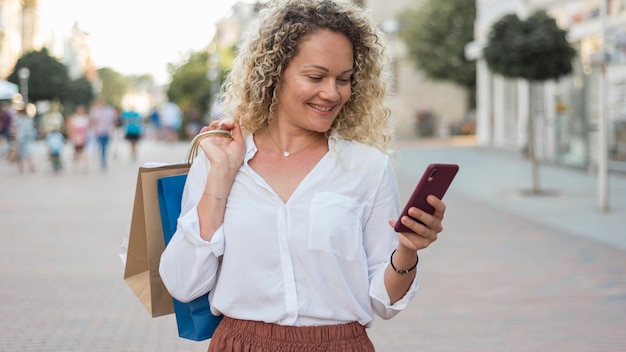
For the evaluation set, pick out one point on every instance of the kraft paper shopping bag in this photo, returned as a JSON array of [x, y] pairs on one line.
[[146, 241]]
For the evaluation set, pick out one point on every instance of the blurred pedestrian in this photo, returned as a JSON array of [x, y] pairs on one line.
[[52, 129], [132, 122], [193, 125], [53, 120], [78, 127], [103, 118], [155, 122], [171, 120], [25, 135], [6, 120], [55, 142]]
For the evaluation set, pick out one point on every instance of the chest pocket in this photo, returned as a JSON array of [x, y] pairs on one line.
[[335, 225]]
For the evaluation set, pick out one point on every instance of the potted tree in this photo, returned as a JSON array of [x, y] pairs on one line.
[[535, 49]]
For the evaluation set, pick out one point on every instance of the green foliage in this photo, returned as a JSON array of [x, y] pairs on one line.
[[141, 82], [114, 86], [436, 34], [190, 86], [49, 79], [535, 49], [79, 92], [227, 56]]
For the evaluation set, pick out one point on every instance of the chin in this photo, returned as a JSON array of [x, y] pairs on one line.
[[322, 125]]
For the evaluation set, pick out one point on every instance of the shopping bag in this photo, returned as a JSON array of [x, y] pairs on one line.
[[170, 192], [146, 242], [194, 319]]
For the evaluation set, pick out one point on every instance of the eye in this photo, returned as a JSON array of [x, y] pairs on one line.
[[344, 80], [315, 78]]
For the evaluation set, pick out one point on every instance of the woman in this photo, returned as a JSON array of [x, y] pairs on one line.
[[289, 223], [78, 132]]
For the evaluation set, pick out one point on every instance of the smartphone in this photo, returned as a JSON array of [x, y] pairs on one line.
[[435, 180]]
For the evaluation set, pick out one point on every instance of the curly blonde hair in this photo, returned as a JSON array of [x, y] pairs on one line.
[[249, 93]]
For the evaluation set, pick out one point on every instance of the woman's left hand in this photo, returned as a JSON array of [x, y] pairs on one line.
[[423, 234]]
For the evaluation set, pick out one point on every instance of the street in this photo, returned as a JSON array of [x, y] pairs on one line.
[[509, 273]]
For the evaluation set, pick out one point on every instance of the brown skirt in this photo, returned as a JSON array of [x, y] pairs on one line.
[[233, 335]]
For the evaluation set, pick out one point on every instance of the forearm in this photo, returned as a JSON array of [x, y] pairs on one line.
[[398, 284], [212, 204]]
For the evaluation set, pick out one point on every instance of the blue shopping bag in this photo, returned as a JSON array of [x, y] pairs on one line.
[[194, 319]]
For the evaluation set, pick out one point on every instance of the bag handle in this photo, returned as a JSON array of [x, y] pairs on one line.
[[195, 142]]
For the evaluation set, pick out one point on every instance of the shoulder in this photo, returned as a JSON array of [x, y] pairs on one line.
[[353, 150], [359, 160]]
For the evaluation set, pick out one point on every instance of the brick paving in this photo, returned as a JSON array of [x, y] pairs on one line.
[[509, 273]]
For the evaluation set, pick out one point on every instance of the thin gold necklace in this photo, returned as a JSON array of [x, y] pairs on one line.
[[285, 152]]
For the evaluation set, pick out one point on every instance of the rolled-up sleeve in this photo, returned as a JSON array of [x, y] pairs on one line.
[[189, 264], [381, 303]]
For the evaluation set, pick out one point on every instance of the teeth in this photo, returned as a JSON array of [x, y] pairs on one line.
[[321, 108]]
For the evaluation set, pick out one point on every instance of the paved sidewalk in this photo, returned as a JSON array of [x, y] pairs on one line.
[[509, 273]]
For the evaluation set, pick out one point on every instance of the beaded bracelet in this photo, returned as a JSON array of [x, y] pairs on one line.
[[402, 271]]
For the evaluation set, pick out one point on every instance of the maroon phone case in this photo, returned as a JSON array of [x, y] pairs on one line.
[[435, 180]]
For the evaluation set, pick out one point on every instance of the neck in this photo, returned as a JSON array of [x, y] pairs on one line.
[[291, 151]]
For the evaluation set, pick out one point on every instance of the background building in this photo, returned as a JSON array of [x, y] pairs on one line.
[[19, 32], [568, 111], [412, 91]]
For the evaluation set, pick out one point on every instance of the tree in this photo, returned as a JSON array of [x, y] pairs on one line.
[[436, 34], [114, 86], [535, 49], [141, 82], [190, 85], [79, 92], [49, 79]]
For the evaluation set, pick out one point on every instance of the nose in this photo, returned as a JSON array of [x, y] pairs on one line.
[[330, 91]]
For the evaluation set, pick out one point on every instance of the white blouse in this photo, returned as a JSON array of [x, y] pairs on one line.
[[318, 259]]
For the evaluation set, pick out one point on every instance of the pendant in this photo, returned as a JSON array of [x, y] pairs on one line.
[[286, 153]]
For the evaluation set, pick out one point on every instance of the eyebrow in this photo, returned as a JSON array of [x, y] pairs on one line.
[[327, 70]]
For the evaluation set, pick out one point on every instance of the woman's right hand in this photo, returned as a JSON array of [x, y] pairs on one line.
[[221, 149]]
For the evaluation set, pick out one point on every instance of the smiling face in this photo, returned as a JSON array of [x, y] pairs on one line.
[[317, 82]]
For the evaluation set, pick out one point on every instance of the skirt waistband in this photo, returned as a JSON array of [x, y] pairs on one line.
[[260, 336]]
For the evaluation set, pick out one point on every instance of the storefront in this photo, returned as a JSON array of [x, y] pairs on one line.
[[565, 113], [582, 106]]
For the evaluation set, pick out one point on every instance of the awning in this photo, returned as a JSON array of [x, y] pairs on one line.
[[7, 90]]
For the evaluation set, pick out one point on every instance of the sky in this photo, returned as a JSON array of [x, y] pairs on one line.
[[137, 36]]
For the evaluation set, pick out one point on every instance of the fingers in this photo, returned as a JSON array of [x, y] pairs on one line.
[[438, 204], [220, 149], [218, 125], [425, 227], [221, 128]]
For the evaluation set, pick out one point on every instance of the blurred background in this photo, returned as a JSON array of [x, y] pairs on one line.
[[492, 85], [142, 54]]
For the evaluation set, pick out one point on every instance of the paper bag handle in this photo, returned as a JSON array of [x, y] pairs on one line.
[[195, 142]]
